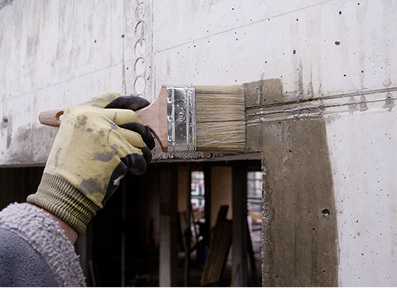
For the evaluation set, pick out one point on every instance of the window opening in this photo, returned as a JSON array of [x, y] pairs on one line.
[[197, 194], [254, 200]]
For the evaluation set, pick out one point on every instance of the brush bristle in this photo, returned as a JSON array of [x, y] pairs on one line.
[[220, 119]]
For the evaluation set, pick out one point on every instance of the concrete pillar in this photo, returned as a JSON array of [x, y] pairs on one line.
[[168, 227]]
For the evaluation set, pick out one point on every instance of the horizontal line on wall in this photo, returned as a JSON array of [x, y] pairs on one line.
[[381, 99], [10, 96], [240, 27]]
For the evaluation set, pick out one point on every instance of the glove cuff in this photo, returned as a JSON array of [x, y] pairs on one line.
[[63, 200]]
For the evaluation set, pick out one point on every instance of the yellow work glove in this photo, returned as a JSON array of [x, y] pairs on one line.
[[97, 143]]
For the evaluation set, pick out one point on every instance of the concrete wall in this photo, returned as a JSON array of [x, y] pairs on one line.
[[322, 114], [57, 53]]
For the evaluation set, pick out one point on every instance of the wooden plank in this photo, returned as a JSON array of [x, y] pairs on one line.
[[240, 227], [187, 231], [218, 250], [181, 230], [251, 255], [208, 205]]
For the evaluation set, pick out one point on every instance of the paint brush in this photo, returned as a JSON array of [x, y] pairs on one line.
[[190, 118]]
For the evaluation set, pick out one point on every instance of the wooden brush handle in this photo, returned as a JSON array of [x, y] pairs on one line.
[[51, 117], [154, 116]]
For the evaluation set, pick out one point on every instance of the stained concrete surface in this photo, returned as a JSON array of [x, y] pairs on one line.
[[300, 229], [299, 238]]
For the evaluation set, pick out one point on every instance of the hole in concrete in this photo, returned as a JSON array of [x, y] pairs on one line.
[[326, 213]]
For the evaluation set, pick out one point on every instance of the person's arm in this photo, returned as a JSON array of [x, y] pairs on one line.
[[70, 233], [98, 142]]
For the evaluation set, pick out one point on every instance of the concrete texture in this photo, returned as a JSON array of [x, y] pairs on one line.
[[299, 238], [365, 191], [58, 53], [321, 113], [300, 230]]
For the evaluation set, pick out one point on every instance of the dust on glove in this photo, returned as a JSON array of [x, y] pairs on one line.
[[98, 142]]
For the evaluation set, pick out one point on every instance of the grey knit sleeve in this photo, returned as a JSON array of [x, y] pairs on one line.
[[21, 265], [48, 242]]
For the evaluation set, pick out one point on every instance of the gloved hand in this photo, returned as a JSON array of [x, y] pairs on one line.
[[96, 144]]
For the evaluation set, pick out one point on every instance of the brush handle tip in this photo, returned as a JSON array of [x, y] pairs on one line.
[[51, 117]]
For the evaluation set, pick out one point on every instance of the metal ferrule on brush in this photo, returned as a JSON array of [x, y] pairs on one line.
[[181, 119]]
